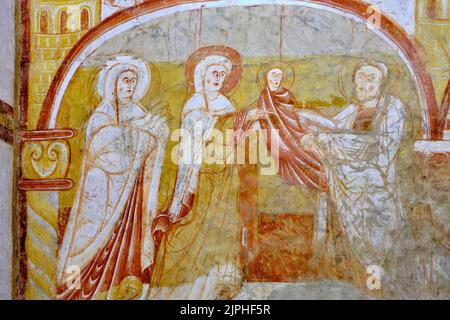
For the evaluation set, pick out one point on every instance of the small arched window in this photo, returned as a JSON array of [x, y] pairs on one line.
[[84, 19], [43, 22], [63, 22], [438, 9]]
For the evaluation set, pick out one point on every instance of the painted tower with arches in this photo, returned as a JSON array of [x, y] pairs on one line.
[[56, 26]]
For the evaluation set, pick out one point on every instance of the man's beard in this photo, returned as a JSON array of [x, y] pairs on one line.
[[364, 96]]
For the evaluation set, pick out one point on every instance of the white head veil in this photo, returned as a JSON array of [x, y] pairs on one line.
[[204, 64], [114, 68]]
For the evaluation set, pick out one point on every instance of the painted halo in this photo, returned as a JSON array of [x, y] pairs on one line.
[[288, 73]]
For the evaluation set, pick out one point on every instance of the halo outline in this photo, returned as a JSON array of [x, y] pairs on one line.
[[232, 80]]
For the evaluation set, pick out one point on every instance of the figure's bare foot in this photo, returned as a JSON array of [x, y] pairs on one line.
[[130, 288]]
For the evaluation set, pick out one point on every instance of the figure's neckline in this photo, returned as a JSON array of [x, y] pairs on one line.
[[362, 107]]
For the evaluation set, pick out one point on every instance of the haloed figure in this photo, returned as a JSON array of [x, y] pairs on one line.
[[107, 249], [280, 118], [199, 255], [360, 160]]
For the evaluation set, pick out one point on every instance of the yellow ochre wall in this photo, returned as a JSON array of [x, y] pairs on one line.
[[433, 33]]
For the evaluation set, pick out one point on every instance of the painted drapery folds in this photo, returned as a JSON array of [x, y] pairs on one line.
[[231, 150]]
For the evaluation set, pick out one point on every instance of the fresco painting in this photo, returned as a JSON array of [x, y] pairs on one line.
[[230, 150]]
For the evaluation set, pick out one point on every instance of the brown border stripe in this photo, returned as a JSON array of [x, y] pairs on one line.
[[6, 134], [23, 54], [6, 108]]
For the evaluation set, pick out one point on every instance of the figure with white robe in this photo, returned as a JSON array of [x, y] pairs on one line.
[[359, 157], [107, 249], [199, 254]]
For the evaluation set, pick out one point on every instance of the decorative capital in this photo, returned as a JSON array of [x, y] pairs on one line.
[[45, 159]]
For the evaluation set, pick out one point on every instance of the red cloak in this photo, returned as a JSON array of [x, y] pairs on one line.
[[297, 166]]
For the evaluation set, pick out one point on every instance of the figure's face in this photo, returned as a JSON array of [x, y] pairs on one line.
[[214, 78], [274, 78], [126, 85], [367, 83]]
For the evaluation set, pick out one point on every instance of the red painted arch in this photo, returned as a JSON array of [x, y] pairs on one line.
[[355, 7]]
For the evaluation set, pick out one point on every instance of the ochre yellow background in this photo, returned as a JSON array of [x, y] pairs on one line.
[[315, 86]]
